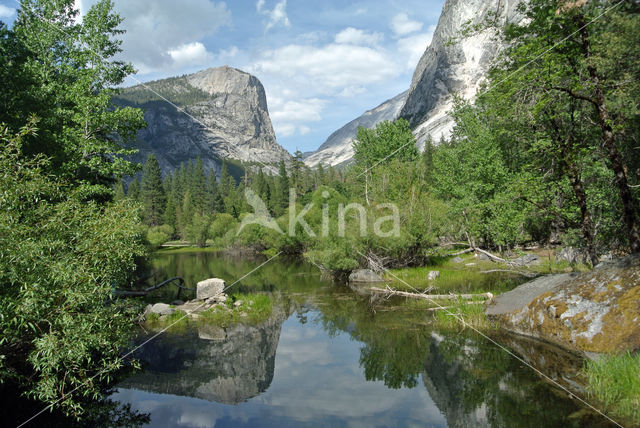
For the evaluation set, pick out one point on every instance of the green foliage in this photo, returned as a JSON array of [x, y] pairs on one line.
[[59, 261], [60, 70], [389, 140], [253, 309], [152, 192], [615, 381], [158, 235], [196, 230]]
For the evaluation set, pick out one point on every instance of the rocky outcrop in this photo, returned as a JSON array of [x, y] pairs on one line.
[[226, 365], [216, 114], [453, 64], [338, 148], [596, 311]]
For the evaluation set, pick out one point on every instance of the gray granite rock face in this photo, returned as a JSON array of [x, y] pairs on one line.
[[224, 115], [453, 64]]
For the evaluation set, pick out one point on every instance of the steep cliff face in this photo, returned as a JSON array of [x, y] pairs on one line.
[[338, 148], [453, 64], [223, 115]]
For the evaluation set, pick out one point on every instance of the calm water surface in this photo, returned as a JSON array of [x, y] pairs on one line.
[[329, 357]]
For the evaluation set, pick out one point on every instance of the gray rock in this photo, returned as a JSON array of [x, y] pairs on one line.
[[457, 259], [569, 254], [433, 275], [230, 103], [524, 294], [237, 303], [161, 309], [482, 257], [209, 288], [364, 275], [590, 312], [448, 68], [177, 303], [527, 260]]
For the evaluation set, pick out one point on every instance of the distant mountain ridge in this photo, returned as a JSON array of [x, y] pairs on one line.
[[338, 148], [225, 116], [450, 65]]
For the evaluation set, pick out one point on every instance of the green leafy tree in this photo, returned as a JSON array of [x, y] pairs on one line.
[[152, 192], [60, 258], [60, 70]]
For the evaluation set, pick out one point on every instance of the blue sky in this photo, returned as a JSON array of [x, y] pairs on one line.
[[323, 63]]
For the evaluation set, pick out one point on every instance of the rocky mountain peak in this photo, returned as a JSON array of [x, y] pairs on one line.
[[226, 118]]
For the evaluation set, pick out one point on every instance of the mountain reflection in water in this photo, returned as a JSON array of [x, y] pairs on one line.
[[328, 357]]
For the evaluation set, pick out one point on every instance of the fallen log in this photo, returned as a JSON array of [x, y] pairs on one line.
[[392, 292]]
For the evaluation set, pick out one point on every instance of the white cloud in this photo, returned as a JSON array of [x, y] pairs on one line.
[[402, 25], [277, 15], [190, 54], [329, 67], [162, 33], [414, 46], [6, 12], [353, 36]]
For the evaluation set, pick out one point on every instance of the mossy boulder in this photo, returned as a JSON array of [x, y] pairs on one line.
[[596, 311]]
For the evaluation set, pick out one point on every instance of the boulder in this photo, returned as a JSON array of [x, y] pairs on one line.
[[209, 288], [433, 275], [527, 260], [569, 254], [161, 309], [457, 259], [482, 257], [591, 312], [364, 275]]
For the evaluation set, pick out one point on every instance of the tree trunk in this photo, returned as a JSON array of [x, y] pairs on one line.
[[617, 164]]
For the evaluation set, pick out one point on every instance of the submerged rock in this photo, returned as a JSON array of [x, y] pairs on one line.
[[596, 311], [364, 275]]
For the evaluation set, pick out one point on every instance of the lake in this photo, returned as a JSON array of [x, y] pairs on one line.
[[331, 357]]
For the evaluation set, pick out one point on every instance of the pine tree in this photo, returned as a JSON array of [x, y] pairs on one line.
[[152, 192], [119, 191], [198, 187], [281, 197], [227, 182], [133, 191]]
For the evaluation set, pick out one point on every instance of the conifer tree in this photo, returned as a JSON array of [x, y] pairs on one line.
[[152, 192], [133, 191]]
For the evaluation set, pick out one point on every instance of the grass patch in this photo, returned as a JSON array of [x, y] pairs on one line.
[[156, 321], [253, 309], [615, 381], [472, 315]]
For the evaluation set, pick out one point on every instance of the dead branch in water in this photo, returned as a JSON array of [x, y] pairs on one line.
[[392, 292]]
